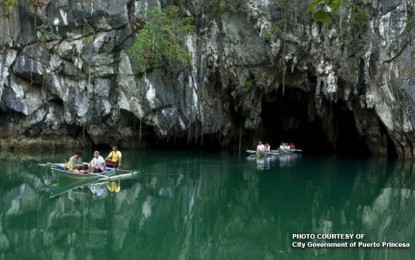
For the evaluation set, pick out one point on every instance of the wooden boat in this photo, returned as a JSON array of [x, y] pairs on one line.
[[262, 154], [62, 170], [288, 150]]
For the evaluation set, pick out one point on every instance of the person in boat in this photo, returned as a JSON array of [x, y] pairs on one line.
[[75, 164], [114, 157], [97, 164], [260, 147], [267, 147]]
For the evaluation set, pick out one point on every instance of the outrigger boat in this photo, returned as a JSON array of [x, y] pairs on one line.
[[62, 170], [288, 150], [76, 180], [262, 154]]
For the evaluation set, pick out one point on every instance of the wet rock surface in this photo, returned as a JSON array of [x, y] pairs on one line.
[[65, 72]]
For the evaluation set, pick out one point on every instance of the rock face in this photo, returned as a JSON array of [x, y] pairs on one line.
[[261, 69]]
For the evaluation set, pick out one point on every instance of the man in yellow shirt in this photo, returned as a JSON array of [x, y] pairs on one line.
[[114, 158]]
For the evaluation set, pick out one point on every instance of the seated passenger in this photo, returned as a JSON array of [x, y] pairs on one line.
[[267, 147], [260, 148], [75, 164], [114, 158], [97, 164]]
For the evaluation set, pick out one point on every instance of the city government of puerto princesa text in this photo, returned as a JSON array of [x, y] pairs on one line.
[[351, 244]]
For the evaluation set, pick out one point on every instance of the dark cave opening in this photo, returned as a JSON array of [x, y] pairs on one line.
[[285, 119], [349, 143], [390, 146], [291, 119]]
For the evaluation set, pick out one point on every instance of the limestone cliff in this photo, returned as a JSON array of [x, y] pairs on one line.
[[261, 69]]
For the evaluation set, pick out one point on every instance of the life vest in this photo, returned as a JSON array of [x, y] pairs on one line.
[[115, 156], [68, 165]]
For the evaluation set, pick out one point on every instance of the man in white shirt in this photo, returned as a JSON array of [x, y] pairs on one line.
[[260, 148], [98, 163]]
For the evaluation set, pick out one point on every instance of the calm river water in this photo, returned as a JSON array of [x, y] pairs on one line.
[[196, 205]]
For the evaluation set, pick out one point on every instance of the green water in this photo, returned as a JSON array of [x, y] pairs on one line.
[[207, 206]]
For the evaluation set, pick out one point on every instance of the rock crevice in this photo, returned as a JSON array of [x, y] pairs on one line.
[[64, 66]]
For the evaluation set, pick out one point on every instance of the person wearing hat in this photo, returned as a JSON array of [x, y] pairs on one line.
[[97, 164]]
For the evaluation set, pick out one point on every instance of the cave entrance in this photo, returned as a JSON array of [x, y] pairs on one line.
[[290, 119], [348, 142], [285, 119]]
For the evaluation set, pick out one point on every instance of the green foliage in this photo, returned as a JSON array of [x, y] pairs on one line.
[[410, 21], [323, 10], [352, 44], [358, 25], [225, 6], [296, 11], [282, 3], [9, 5], [249, 83], [359, 18], [159, 43], [275, 29]]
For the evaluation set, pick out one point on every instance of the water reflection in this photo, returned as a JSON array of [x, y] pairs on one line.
[[267, 162], [98, 186], [261, 162], [198, 206], [289, 159]]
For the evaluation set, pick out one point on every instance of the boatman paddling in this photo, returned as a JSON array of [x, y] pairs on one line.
[[114, 158]]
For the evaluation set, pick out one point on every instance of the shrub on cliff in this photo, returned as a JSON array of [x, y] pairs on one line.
[[9, 6], [323, 10], [159, 43]]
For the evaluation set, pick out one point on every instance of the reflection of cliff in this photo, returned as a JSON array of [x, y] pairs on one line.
[[378, 205], [208, 208], [390, 218]]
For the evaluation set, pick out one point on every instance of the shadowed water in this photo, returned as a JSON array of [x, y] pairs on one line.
[[207, 206]]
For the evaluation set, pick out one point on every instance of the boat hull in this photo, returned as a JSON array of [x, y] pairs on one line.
[[60, 169], [262, 154]]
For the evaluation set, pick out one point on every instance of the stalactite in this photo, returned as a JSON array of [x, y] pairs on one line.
[[240, 139], [201, 135], [188, 134], [3, 54], [139, 133], [284, 50]]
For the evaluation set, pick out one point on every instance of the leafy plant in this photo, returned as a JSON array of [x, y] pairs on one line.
[[275, 29], [323, 10], [249, 83], [359, 19], [159, 43], [220, 7], [9, 5], [358, 24]]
